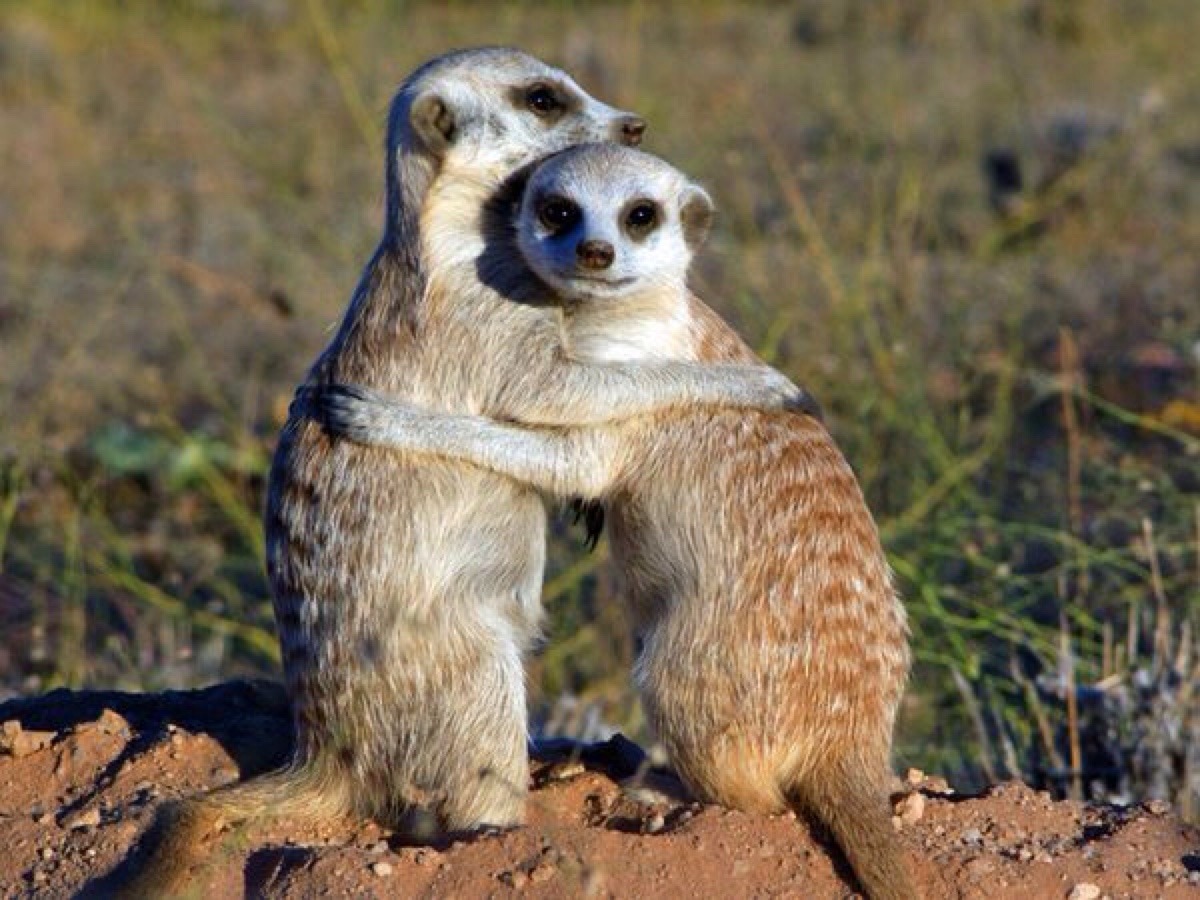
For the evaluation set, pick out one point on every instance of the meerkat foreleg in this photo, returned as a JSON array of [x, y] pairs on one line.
[[576, 463], [595, 393]]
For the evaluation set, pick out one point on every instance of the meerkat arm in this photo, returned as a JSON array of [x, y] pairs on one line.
[[576, 463], [576, 394]]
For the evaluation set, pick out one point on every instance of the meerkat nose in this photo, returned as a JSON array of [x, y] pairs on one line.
[[595, 254], [631, 130]]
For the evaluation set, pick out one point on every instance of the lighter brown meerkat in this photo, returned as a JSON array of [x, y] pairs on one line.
[[406, 589], [774, 646]]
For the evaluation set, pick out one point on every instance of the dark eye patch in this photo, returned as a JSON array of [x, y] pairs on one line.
[[547, 100], [558, 214], [640, 217]]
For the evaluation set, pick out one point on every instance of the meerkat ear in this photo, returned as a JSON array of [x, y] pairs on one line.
[[433, 121], [696, 214]]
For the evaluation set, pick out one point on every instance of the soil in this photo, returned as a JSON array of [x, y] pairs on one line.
[[82, 772]]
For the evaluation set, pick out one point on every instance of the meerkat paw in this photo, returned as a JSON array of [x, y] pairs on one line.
[[771, 389], [361, 414]]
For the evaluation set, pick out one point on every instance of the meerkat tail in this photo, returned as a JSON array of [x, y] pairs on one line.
[[185, 833], [854, 809]]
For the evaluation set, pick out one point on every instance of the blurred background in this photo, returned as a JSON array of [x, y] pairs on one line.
[[972, 230]]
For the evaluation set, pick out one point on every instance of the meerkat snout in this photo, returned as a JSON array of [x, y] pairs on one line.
[[630, 130], [594, 254]]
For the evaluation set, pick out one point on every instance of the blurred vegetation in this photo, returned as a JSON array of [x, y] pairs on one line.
[[972, 231]]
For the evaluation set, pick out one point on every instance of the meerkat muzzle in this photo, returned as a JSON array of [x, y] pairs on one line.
[[595, 254]]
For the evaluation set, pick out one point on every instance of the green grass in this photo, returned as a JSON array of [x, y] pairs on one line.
[[190, 190]]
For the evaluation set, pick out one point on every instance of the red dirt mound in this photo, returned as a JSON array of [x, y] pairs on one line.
[[81, 774]]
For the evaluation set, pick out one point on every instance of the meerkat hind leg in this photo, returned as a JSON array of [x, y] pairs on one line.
[[486, 773]]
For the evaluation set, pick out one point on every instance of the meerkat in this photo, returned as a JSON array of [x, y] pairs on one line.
[[774, 647], [406, 589]]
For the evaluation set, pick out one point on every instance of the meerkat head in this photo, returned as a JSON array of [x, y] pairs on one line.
[[601, 221], [488, 112]]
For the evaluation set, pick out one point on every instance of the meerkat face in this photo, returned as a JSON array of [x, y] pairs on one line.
[[601, 221], [496, 109]]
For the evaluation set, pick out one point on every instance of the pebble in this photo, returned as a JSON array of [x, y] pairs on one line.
[[910, 808], [112, 723], [972, 836], [1084, 890], [566, 770], [542, 872], [655, 824], [382, 869], [84, 818], [517, 879], [17, 742], [378, 847]]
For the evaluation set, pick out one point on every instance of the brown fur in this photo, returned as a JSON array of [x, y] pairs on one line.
[[775, 650]]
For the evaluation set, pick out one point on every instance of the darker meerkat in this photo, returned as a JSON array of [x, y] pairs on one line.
[[774, 646], [406, 589]]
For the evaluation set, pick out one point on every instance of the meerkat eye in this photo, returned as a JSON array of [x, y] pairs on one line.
[[542, 100], [558, 213], [642, 217]]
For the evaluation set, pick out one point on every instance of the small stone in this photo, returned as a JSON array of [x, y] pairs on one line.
[[1158, 807], [516, 879], [378, 847], [1084, 890], [47, 853], [113, 723], [84, 818], [39, 876], [565, 770], [90, 853], [17, 742], [914, 776], [542, 872], [655, 824], [936, 784], [910, 808], [972, 836], [44, 818], [382, 869]]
